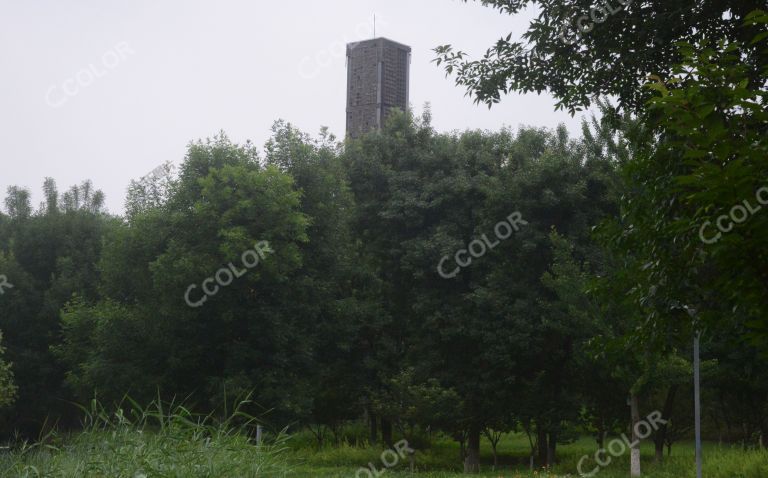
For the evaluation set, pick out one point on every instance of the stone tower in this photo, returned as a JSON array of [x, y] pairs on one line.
[[377, 82]]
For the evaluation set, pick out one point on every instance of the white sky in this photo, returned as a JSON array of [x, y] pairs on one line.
[[190, 68]]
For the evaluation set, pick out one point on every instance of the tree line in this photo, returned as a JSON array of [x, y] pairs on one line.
[[348, 318], [575, 319]]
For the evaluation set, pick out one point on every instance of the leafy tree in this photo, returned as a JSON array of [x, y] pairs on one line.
[[553, 189], [325, 291], [578, 50], [421, 196], [707, 165], [51, 193], [81, 197], [150, 191], [208, 346], [736, 389], [417, 194], [100, 342], [571, 279], [409, 402], [47, 255], [17, 203], [7, 386]]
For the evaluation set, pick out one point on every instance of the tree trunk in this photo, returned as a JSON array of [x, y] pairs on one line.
[[726, 419], [635, 451], [373, 436], [746, 435], [658, 446], [495, 455], [551, 449], [472, 461], [716, 421], [762, 427], [542, 447], [386, 432], [660, 436], [600, 435], [527, 428]]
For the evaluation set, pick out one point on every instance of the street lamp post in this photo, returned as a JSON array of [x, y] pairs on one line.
[[696, 387], [697, 400]]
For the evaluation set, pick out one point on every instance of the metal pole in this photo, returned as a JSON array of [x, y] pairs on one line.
[[697, 401]]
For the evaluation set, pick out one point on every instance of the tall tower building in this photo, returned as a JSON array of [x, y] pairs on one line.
[[377, 82]]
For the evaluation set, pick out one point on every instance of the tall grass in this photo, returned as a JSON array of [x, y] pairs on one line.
[[167, 440], [161, 440]]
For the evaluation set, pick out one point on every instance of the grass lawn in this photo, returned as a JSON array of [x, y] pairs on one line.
[[441, 461]]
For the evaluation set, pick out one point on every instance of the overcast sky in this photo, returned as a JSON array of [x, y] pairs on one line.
[[109, 90]]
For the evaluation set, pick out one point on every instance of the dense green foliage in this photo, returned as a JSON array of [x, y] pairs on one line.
[[428, 285], [7, 386], [694, 210], [348, 315], [47, 256], [580, 49], [686, 254]]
